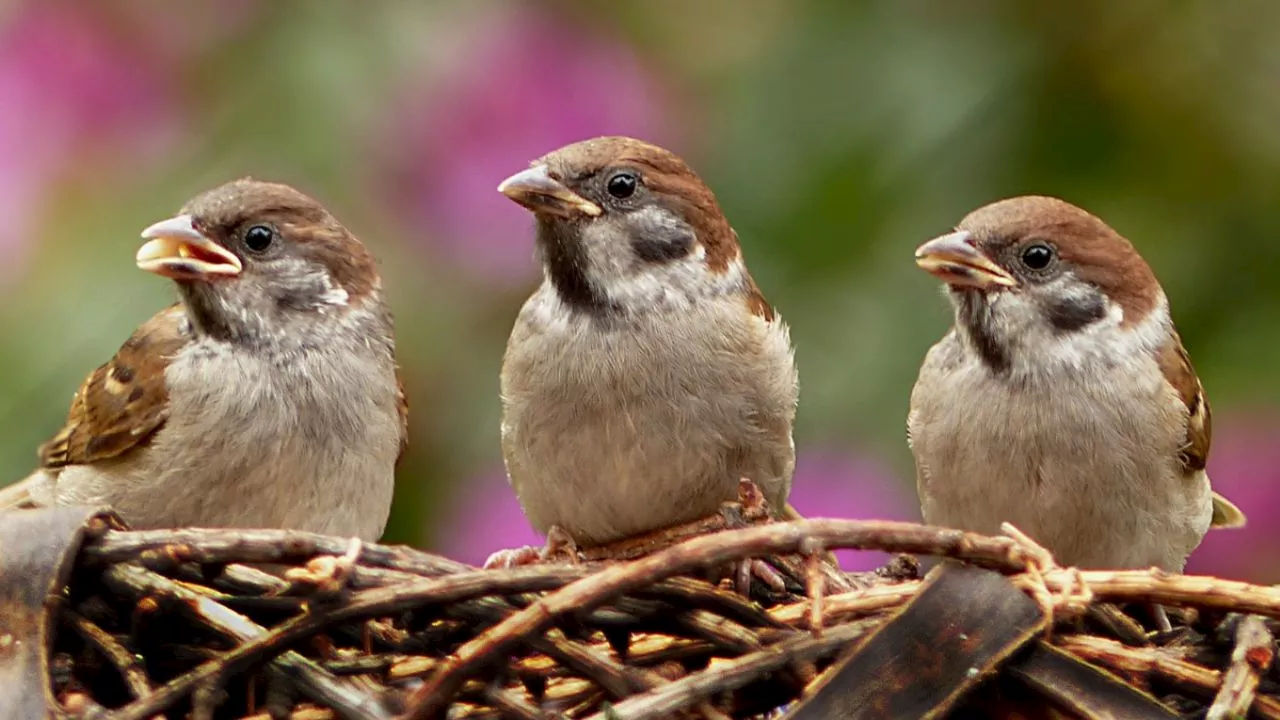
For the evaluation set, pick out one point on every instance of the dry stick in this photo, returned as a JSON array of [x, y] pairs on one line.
[[715, 549], [1194, 590], [815, 587], [614, 678], [220, 546], [721, 632], [510, 704], [690, 592], [737, 673], [1153, 661], [124, 661], [306, 713], [423, 592], [1251, 658], [313, 679], [1116, 586], [259, 546], [268, 546], [710, 712], [858, 603]]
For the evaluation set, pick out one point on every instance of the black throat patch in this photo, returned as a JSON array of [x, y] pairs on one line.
[[206, 314], [566, 265], [976, 321]]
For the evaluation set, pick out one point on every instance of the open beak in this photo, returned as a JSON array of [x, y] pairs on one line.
[[175, 249], [955, 260], [538, 191]]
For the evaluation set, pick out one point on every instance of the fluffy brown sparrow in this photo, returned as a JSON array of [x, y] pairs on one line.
[[1062, 400], [647, 374], [267, 397]]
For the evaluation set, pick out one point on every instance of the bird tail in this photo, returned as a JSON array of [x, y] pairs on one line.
[[1225, 514]]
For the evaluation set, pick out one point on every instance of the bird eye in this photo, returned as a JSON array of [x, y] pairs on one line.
[[1037, 257], [258, 238], [622, 185]]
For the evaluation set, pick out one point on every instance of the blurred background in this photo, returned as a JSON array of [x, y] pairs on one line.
[[838, 136]]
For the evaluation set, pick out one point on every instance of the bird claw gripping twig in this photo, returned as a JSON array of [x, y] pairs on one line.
[[559, 548], [327, 575]]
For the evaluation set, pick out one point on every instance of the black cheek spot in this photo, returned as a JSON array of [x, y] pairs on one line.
[[663, 244], [1071, 314], [136, 394]]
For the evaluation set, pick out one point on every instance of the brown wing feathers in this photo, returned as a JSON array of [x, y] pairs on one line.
[[123, 402]]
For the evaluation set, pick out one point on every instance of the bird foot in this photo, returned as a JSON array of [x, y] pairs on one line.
[[559, 549], [749, 509], [749, 569], [327, 575]]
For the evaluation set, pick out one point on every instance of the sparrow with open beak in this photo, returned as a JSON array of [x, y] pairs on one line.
[[267, 397], [647, 374], [1062, 401]]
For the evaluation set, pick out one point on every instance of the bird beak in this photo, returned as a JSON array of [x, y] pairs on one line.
[[175, 249], [536, 190], [955, 260]]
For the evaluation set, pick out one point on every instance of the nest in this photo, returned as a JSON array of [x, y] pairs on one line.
[[98, 621]]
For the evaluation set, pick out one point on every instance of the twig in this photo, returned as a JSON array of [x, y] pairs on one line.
[[859, 603], [733, 674], [815, 587], [125, 662], [304, 713], [1250, 659], [712, 550], [1153, 661], [688, 592], [315, 680], [660, 624], [1194, 590], [378, 601], [259, 546], [511, 704]]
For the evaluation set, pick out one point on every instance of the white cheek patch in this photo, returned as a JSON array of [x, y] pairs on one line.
[[334, 294], [640, 285], [311, 284], [1040, 348]]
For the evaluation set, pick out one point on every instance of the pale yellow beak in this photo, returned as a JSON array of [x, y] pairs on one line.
[[175, 249], [954, 259], [536, 190]]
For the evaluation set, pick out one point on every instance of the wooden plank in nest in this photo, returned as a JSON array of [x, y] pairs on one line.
[[953, 635], [37, 550], [1088, 691]]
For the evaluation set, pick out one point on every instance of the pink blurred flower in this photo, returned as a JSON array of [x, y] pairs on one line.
[[486, 516], [836, 484], [528, 85], [173, 33], [1245, 467], [68, 89]]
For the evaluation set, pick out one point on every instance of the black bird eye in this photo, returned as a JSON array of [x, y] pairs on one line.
[[622, 185], [1037, 257], [258, 238]]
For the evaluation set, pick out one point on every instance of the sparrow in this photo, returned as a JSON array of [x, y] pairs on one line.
[[647, 374], [1062, 400], [267, 397]]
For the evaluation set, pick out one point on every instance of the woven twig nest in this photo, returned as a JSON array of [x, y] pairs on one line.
[[100, 622]]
